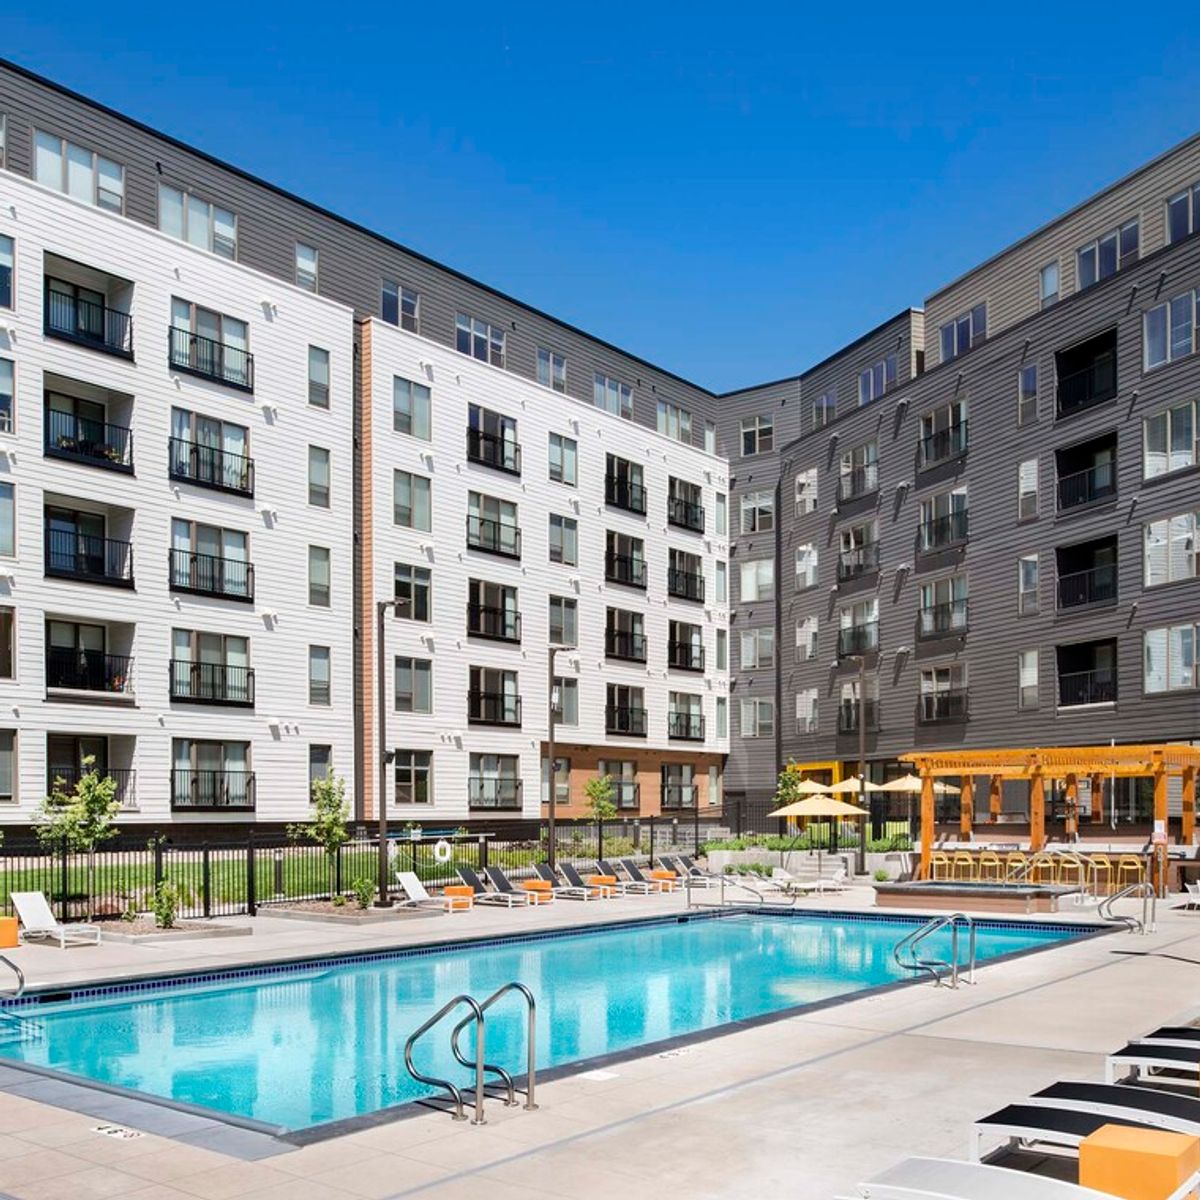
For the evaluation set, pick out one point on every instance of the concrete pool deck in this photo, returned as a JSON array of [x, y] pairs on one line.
[[809, 1104]]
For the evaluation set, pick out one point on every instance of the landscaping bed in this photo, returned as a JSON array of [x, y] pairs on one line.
[[144, 931], [336, 914]]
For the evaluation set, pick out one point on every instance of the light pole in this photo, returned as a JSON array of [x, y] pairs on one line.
[[552, 710], [384, 899], [861, 857]]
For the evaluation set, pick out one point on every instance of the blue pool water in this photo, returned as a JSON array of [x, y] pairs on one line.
[[302, 1047]]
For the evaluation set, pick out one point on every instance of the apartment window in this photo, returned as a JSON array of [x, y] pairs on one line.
[[1169, 658], [612, 396], [722, 650], [318, 576], [413, 771], [412, 588], [722, 514], [877, 379], [7, 643], [758, 649], [567, 708], [710, 438], [824, 409], [1027, 584], [210, 344], [8, 529], [8, 764], [400, 306], [1048, 284], [858, 471], [1027, 394], [551, 370], [210, 666], [1183, 214], [564, 621], [318, 477], [758, 435], [411, 408], [564, 455], [959, 335], [806, 566], [1169, 331], [411, 502], [1027, 679], [479, 339], [675, 422], [1169, 441], [7, 387], [1170, 549], [806, 638], [944, 605], [197, 222], [320, 764], [319, 685], [6, 272], [492, 525], [944, 433], [806, 491], [758, 580], [722, 582], [1027, 489], [1108, 254], [306, 267], [722, 717], [564, 540], [414, 685], [944, 519], [318, 377], [81, 173], [806, 710], [758, 512], [758, 718]]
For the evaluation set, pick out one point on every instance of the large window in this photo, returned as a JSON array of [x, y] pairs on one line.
[[1169, 330], [1027, 489], [758, 580], [551, 370], [413, 771], [1048, 284], [479, 339], [412, 589], [319, 575], [877, 379], [824, 409], [806, 566], [564, 621], [1108, 254], [958, 336], [721, 576], [411, 505], [806, 638], [8, 654], [1027, 584], [320, 763], [612, 396], [722, 650], [564, 456], [414, 685], [8, 765], [1027, 394], [400, 306], [758, 435], [1171, 552], [721, 514], [1183, 214], [1169, 658], [806, 710], [210, 344], [758, 649], [320, 685], [1170, 440], [79, 172], [675, 422], [410, 408], [567, 708], [318, 477], [758, 512], [806, 491], [758, 718], [191, 219]]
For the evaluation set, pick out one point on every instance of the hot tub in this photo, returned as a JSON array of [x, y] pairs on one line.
[[954, 894]]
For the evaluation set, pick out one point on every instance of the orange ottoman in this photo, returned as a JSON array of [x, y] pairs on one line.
[[1137, 1164], [458, 897], [539, 889], [8, 933], [604, 886]]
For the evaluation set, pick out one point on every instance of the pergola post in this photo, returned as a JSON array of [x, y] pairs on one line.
[[1037, 810], [966, 807], [1071, 788], [1188, 832], [995, 797], [1097, 799], [927, 826]]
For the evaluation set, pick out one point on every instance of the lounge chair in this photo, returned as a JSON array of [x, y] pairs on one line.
[[686, 869], [1063, 1127], [417, 897], [1193, 894], [37, 921], [568, 891], [1131, 1060], [1155, 1106], [635, 875], [837, 882], [504, 885], [576, 880], [949, 1179], [630, 886], [483, 896]]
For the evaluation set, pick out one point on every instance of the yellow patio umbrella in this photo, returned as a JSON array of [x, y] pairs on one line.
[[854, 785], [912, 783], [819, 806]]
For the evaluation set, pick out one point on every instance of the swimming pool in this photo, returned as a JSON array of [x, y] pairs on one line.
[[317, 1042]]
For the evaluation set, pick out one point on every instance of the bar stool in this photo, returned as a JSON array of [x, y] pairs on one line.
[[1016, 865], [991, 868], [1071, 871], [963, 867], [1100, 864], [1129, 871], [939, 865], [1042, 870]]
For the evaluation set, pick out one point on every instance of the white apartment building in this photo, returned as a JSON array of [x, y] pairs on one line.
[[176, 527]]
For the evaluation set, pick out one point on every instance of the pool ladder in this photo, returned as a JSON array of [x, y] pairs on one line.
[[24, 1027], [938, 969], [1149, 919], [477, 1016]]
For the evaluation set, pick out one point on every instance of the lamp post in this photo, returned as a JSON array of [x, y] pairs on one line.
[[384, 899], [551, 714], [861, 857]]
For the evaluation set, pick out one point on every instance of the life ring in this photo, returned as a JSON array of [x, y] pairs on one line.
[[443, 851]]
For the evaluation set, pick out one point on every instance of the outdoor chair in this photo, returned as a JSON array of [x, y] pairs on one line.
[[963, 867], [483, 896], [685, 868], [635, 874], [596, 891], [568, 891], [630, 886], [1193, 894], [1129, 871], [1042, 869], [991, 869], [417, 897], [1016, 866], [1071, 871], [939, 865], [1100, 864], [37, 921], [504, 885]]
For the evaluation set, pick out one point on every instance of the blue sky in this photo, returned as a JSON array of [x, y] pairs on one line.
[[731, 192]]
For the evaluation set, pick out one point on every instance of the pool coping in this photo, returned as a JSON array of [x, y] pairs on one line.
[[284, 1138]]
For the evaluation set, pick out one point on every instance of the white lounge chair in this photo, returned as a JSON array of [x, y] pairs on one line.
[[949, 1179], [37, 921], [417, 897], [1193, 894]]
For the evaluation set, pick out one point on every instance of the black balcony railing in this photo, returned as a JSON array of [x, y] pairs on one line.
[[91, 442], [493, 792], [1089, 385], [1097, 585], [944, 444], [685, 656], [945, 530], [1087, 687], [493, 537], [625, 719], [88, 323], [211, 683], [628, 569], [1087, 487], [860, 481], [208, 575], [209, 467], [622, 493], [687, 585], [858, 639], [685, 514], [493, 450], [621, 643], [686, 726], [71, 555], [862, 560], [950, 616], [848, 715], [230, 365], [493, 708], [212, 790], [490, 621], [678, 795], [948, 705], [66, 777], [79, 670]]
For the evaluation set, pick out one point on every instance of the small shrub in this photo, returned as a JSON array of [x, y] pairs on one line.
[[339, 901], [364, 892], [165, 904], [130, 913], [881, 876]]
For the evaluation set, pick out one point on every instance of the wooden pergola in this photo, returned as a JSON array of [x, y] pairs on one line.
[[1066, 763]]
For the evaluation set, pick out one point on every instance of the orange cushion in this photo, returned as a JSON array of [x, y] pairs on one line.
[[458, 889]]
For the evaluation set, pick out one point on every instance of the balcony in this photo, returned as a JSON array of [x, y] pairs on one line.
[[860, 481], [1087, 473], [494, 792], [625, 720], [498, 624], [1077, 688], [212, 791], [94, 443], [676, 796], [848, 715], [493, 537], [66, 777], [195, 355], [622, 493], [208, 575], [948, 705], [71, 555], [685, 656], [206, 466], [685, 585], [627, 794], [684, 514], [685, 726], [620, 643], [70, 669], [493, 708], [626, 569], [854, 564], [948, 617], [944, 444], [858, 639], [1087, 374], [946, 530], [211, 683], [92, 323], [1097, 585], [492, 450]]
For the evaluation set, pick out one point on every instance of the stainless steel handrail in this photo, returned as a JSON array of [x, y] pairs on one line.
[[455, 1093], [1149, 919], [531, 1044], [689, 883], [936, 966], [8, 962]]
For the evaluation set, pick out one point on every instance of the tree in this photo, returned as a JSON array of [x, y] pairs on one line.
[[790, 778], [599, 792], [330, 817], [78, 821]]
